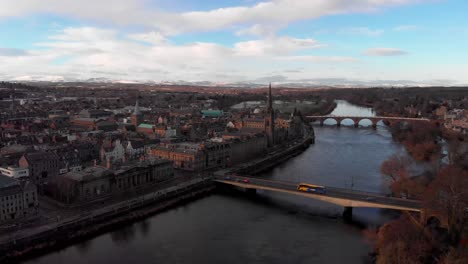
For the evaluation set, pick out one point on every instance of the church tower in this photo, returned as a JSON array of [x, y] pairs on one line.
[[270, 120], [136, 117]]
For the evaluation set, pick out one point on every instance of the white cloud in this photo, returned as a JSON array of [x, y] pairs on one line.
[[258, 30], [152, 37], [384, 52], [94, 52], [137, 12], [319, 59], [275, 46]]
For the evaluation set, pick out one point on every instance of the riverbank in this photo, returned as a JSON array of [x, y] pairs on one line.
[[69, 231], [276, 157], [46, 238]]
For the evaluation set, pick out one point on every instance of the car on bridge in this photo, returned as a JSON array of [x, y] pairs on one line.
[[312, 188]]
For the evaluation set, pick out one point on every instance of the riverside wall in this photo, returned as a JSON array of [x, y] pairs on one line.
[[281, 154], [74, 229]]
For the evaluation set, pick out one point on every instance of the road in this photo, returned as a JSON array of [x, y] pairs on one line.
[[339, 196]]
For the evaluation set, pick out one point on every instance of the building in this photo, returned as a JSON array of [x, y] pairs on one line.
[[270, 120], [18, 199], [101, 182], [140, 174], [94, 113], [137, 116], [188, 156], [43, 166], [113, 151], [212, 113], [135, 149], [194, 156], [88, 184], [14, 172]]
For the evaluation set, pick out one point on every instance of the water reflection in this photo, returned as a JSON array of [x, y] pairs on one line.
[[123, 235], [269, 228]]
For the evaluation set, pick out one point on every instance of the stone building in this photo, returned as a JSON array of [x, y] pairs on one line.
[[114, 151], [18, 199], [43, 166], [137, 116], [101, 182], [194, 156]]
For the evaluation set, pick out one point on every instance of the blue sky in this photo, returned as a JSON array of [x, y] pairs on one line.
[[224, 41]]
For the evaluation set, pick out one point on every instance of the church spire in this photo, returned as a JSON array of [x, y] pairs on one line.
[[136, 111], [270, 99]]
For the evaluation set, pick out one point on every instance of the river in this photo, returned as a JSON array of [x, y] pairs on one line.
[[267, 228]]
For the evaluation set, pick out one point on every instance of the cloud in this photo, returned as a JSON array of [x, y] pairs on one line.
[[139, 12], [90, 52], [363, 31], [384, 52], [275, 46], [405, 28], [152, 37], [318, 59], [11, 52], [258, 30]]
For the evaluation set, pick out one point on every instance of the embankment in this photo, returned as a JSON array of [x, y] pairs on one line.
[[59, 235], [274, 158]]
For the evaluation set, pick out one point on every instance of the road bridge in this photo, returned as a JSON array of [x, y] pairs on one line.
[[373, 119], [338, 196]]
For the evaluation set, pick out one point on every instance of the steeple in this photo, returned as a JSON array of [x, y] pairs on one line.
[[270, 100], [136, 117], [136, 111], [270, 120]]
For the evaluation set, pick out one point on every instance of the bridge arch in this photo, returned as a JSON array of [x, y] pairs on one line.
[[348, 121], [366, 122], [327, 120]]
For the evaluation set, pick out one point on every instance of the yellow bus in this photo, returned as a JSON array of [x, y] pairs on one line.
[[312, 188]]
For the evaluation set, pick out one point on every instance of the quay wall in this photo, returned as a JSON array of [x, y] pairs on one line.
[[74, 229], [282, 154]]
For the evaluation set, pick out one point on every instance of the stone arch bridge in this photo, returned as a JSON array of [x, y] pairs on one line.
[[374, 119]]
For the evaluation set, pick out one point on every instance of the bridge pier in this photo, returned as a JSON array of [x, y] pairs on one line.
[[348, 213], [356, 124]]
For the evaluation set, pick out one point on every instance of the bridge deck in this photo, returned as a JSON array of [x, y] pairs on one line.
[[338, 196], [369, 117]]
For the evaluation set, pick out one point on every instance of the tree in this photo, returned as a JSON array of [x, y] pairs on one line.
[[400, 242], [396, 167], [447, 198]]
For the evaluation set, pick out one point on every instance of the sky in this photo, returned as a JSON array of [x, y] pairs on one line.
[[229, 41]]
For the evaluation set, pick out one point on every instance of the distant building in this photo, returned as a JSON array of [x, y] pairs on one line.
[[137, 116], [14, 172], [194, 156], [114, 151], [18, 199], [135, 149], [94, 113], [270, 120], [43, 166], [212, 113], [98, 182]]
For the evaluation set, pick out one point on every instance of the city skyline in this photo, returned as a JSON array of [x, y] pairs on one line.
[[396, 42]]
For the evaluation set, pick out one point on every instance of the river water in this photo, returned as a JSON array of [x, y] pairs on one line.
[[267, 228]]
